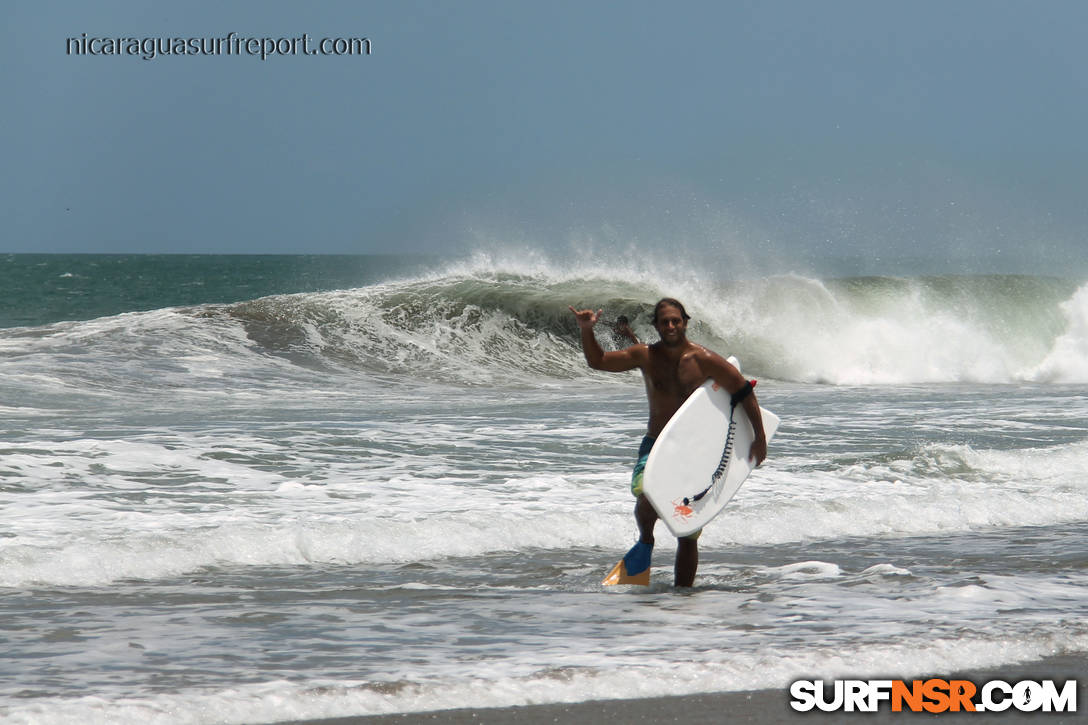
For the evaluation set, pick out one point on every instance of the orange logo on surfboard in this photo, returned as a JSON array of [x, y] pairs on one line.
[[681, 510]]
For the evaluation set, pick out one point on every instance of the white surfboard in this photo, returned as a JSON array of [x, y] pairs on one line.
[[695, 467]]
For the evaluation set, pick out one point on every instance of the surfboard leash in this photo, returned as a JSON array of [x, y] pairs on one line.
[[727, 451], [722, 464]]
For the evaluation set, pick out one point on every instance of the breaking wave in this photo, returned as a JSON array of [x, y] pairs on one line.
[[492, 323]]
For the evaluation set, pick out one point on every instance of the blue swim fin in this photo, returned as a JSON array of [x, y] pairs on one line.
[[633, 568]]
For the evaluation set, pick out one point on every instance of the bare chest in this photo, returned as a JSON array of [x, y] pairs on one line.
[[673, 377]]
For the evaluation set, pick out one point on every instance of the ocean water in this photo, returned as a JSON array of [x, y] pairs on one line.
[[257, 489]]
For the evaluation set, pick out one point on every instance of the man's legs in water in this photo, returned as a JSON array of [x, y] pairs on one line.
[[645, 517], [687, 549], [687, 561]]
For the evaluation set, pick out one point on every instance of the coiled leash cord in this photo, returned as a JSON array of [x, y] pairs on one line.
[[734, 400]]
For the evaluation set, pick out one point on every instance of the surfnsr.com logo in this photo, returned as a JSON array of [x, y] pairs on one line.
[[933, 695]]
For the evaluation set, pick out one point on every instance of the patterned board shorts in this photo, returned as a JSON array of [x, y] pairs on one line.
[[640, 465]]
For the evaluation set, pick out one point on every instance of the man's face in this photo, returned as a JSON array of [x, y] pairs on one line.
[[671, 325]]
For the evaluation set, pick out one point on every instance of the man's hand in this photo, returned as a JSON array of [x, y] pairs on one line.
[[758, 451], [587, 319]]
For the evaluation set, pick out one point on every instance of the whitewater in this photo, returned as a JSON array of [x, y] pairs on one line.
[[258, 504]]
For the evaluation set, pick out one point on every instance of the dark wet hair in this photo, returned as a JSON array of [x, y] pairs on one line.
[[670, 302]]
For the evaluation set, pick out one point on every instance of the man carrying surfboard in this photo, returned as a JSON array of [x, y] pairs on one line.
[[672, 369]]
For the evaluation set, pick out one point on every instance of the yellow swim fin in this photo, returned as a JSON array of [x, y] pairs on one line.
[[637, 559], [619, 575]]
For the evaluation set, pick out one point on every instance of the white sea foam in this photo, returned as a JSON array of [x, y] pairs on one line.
[[144, 510], [90, 558], [775, 668], [911, 496]]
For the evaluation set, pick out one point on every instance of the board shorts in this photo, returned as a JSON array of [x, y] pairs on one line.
[[644, 449], [640, 465]]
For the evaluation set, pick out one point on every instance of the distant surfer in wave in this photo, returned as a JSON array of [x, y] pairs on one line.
[[622, 328], [672, 368]]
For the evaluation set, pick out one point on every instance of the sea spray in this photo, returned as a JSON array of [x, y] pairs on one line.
[[1067, 360]]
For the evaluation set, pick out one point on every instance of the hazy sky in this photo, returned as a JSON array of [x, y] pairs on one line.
[[810, 127]]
